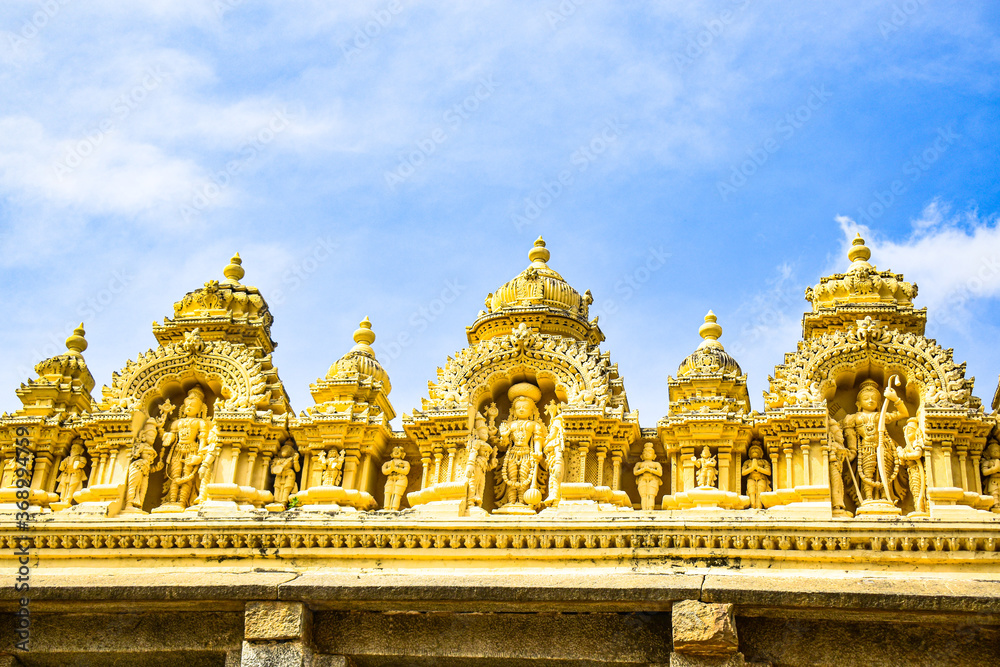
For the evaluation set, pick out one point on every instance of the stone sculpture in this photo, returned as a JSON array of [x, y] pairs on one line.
[[708, 471], [648, 477], [71, 473], [757, 470], [285, 466], [522, 437], [555, 445], [396, 470]]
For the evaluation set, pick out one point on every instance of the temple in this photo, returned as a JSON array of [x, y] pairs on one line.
[[187, 515]]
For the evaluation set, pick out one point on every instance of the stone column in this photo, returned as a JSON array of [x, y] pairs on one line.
[[704, 635], [277, 634]]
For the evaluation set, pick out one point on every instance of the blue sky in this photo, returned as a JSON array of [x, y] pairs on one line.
[[397, 159]]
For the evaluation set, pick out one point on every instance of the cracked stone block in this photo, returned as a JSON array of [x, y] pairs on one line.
[[704, 629], [276, 620]]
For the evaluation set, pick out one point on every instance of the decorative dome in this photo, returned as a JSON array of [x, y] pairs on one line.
[[64, 382], [222, 309], [361, 359], [540, 297], [710, 358], [843, 299]]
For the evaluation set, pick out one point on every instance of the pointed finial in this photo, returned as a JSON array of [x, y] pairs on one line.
[[76, 343], [710, 331], [364, 336], [859, 251], [234, 271], [539, 254]]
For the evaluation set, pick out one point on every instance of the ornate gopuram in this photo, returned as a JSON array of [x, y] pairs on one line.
[[187, 515]]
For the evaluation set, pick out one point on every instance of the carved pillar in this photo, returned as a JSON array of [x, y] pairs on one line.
[[438, 455], [582, 453], [806, 474], [774, 468], [248, 476], [616, 469], [425, 463], [975, 474], [602, 453], [451, 462], [40, 474], [351, 460], [789, 469], [724, 459], [963, 478]]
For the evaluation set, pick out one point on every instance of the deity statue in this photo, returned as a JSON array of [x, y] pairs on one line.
[[521, 438], [912, 457], [396, 481], [757, 470], [553, 449], [648, 477], [187, 435], [840, 460], [708, 471], [141, 467], [865, 432], [71, 475], [332, 466], [990, 466], [284, 467], [482, 458]]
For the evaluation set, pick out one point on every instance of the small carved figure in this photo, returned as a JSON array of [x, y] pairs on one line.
[[284, 467], [521, 438], [71, 475], [206, 468], [648, 477], [990, 466], [332, 466], [912, 456], [482, 458], [757, 470], [555, 445], [396, 471], [12, 465], [866, 435], [141, 467], [840, 460], [708, 471]]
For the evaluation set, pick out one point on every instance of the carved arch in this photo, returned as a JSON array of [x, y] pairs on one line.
[[808, 375], [579, 372], [239, 374]]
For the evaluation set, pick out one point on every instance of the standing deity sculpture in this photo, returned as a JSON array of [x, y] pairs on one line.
[[285, 466], [140, 467], [521, 438], [648, 477], [187, 436], [708, 471], [840, 460], [555, 445], [12, 465], [990, 467], [757, 470], [912, 457], [331, 466], [71, 472], [482, 458], [206, 463], [396, 471], [865, 433]]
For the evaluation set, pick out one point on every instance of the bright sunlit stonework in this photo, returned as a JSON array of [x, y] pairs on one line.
[[871, 457]]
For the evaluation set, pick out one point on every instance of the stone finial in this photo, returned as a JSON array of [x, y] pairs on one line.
[[76, 343], [539, 255], [364, 336], [859, 252], [711, 331], [234, 271]]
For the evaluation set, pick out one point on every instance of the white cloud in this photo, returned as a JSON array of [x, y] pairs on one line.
[[954, 258]]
